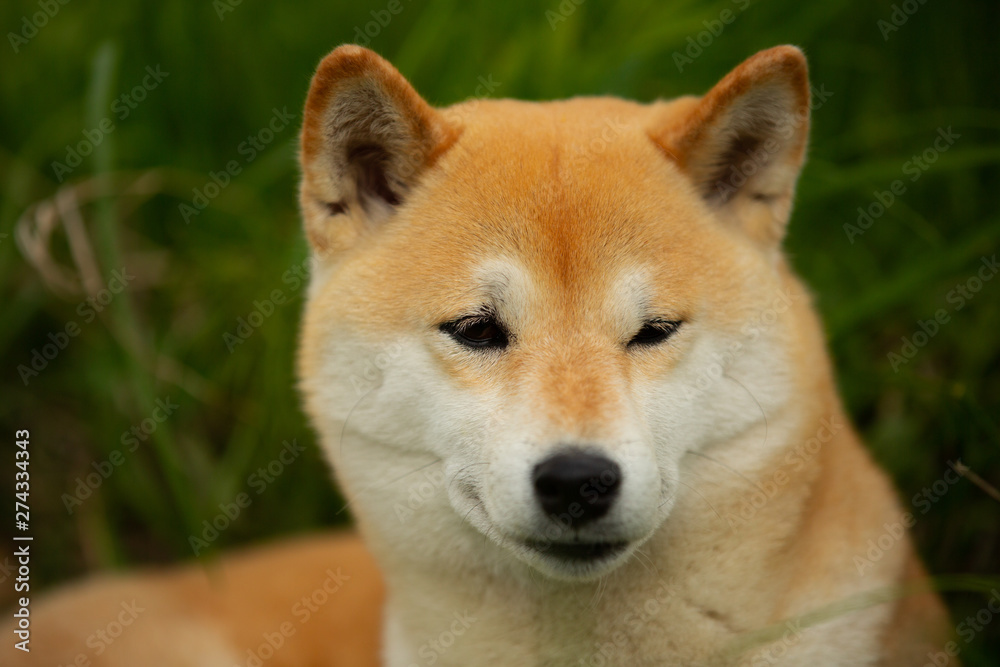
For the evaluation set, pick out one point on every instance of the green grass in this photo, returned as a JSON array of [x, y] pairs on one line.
[[163, 336]]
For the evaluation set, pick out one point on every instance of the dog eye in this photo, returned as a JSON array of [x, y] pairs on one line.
[[480, 332], [654, 333]]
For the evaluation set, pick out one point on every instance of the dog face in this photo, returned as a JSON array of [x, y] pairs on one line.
[[551, 303]]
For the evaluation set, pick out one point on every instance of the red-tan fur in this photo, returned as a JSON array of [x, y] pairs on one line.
[[214, 614], [488, 179]]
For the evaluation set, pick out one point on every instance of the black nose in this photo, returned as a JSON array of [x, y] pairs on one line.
[[576, 487]]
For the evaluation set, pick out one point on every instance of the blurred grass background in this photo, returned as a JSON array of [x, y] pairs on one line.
[[230, 66]]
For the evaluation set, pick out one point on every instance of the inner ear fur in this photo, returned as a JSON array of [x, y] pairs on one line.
[[743, 144], [367, 137]]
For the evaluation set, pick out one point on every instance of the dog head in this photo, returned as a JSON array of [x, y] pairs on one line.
[[551, 304]]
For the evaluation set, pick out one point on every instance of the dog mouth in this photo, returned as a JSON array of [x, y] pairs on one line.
[[578, 552], [573, 557]]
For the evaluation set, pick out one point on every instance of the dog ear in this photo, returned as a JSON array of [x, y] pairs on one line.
[[743, 143], [367, 137]]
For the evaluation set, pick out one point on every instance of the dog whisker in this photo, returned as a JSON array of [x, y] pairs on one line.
[[646, 561], [670, 498], [602, 584], [754, 399], [708, 503], [343, 429], [471, 510], [389, 483]]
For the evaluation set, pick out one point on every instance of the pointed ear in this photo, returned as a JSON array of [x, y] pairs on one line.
[[743, 143], [367, 137]]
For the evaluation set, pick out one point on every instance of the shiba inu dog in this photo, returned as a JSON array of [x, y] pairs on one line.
[[580, 403]]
